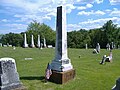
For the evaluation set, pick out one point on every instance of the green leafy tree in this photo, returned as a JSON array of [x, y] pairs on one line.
[[43, 30]]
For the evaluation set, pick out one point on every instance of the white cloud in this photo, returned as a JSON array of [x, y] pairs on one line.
[[81, 8], [99, 1], [16, 28], [114, 2], [100, 12], [89, 5], [91, 24], [115, 12], [91, 13], [71, 27], [104, 20], [88, 1], [85, 7], [70, 7], [4, 20]]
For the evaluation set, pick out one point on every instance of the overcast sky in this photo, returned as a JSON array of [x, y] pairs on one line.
[[15, 15]]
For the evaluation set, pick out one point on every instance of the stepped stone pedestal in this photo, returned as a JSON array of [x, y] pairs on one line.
[[62, 77]]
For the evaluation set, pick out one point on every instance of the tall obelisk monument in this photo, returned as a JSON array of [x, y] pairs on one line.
[[25, 41], [61, 62], [38, 44], [32, 42]]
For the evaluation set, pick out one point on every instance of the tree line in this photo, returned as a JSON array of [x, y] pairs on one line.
[[108, 33]]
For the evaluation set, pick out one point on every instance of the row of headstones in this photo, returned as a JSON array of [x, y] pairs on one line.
[[39, 44], [1, 45], [108, 46]]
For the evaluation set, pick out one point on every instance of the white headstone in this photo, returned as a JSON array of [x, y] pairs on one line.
[[86, 46], [98, 48], [44, 42], [32, 42], [25, 41], [41, 46], [38, 43], [0, 44], [14, 47], [61, 62], [108, 46], [112, 45]]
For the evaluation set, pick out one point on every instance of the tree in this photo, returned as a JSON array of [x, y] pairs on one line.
[[43, 30], [12, 39]]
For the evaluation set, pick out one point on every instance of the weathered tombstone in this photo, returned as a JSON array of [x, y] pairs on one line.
[[44, 43], [25, 41], [9, 78], [62, 70], [41, 45], [118, 46], [50, 46], [98, 48], [112, 45], [14, 47], [8, 44], [32, 42], [0, 44], [108, 46], [4, 45], [86, 46], [117, 86], [38, 43]]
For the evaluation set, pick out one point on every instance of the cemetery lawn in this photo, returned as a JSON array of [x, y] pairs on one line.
[[90, 75]]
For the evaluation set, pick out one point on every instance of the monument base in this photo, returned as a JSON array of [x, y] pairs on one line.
[[62, 77]]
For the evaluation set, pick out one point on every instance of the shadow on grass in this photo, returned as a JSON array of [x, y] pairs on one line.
[[42, 78]]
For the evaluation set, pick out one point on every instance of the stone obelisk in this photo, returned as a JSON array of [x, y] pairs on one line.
[[61, 63], [38, 43], [86, 46], [25, 41], [32, 42], [44, 43]]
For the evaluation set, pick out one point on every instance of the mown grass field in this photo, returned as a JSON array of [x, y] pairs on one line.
[[90, 75]]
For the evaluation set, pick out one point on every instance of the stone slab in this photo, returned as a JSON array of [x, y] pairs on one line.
[[9, 77], [62, 77]]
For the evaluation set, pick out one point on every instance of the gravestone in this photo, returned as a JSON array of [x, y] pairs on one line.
[[38, 43], [4, 45], [118, 46], [41, 45], [44, 43], [112, 45], [98, 48], [25, 41], [0, 44], [86, 46], [14, 47], [108, 46], [62, 69], [32, 42], [117, 86], [9, 78]]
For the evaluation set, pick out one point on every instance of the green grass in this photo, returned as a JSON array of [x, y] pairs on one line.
[[90, 75]]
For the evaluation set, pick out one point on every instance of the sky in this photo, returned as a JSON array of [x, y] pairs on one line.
[[16, 15]]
